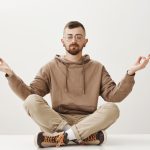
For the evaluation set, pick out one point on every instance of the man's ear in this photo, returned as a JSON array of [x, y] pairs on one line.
[[62, 41], [86, 40]]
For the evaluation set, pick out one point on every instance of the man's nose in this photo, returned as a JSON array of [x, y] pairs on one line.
[[74, 40]]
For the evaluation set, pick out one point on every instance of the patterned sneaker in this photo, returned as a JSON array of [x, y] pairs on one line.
[[94, 139], [45, 139]]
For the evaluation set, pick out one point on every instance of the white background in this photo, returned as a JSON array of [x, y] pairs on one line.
[[118, 32]]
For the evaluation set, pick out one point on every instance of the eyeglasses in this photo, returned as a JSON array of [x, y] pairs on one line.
[[78, 37]]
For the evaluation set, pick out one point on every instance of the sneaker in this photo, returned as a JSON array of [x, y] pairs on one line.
[[94, 139], [45, 139]]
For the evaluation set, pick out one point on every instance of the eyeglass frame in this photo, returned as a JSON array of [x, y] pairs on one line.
[[75, 36]]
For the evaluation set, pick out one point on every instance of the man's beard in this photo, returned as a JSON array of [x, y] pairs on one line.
[[74, 49]]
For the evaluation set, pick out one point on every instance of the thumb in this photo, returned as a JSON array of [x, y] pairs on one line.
[[138, 60]]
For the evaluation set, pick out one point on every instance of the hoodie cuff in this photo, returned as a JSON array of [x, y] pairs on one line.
[[10, 76], [6, 75], [130, 78]]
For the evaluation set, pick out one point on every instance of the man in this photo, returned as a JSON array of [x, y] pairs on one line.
[[75, 82]]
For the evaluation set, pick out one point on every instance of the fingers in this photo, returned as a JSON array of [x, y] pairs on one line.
[[142, 59], [138, 60], [148, 57], [1, 61], [145, 61]]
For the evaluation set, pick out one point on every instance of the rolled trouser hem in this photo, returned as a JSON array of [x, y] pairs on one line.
[[60, 127], [76, 132]]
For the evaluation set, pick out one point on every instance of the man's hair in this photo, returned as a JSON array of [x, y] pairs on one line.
[[74, 24]]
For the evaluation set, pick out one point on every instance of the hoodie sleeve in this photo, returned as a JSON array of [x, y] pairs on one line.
[[115, 93], [40, 85]]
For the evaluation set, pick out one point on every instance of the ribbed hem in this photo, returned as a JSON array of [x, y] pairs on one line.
[[129, 78]]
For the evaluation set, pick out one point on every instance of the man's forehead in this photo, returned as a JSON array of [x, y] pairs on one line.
[[73, 31]]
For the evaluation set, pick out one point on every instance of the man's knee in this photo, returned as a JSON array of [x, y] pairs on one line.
[[32, 101], [112, 109]]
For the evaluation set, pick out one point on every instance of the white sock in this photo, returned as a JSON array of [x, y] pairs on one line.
[[71, 135], [66, 127]]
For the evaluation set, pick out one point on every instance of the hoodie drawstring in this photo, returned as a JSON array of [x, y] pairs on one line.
[[66, 87], [83, 78]]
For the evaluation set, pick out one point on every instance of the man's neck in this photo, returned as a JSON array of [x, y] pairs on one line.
[[73, 58]]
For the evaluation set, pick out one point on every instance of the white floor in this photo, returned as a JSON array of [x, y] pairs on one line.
[[114, 142]]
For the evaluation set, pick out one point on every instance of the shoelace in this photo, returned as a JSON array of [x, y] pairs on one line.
[[59, 139], [90, 138], [49, 139]]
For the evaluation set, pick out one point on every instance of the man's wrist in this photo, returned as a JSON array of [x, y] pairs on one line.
[[131, 72]]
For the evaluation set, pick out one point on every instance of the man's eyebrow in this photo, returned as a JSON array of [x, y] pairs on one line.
[[75, 34], [79, 34], [69, 34]]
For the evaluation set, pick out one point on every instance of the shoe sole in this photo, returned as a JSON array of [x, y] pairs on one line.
[[105, 136], [35, 141]]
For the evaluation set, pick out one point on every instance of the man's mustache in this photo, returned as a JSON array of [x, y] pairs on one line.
[[74, 45]]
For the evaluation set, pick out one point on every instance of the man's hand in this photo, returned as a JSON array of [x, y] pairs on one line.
[[5, 68], [141, 63]]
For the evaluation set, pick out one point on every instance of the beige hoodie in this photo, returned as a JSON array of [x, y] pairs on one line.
[[74, 86]]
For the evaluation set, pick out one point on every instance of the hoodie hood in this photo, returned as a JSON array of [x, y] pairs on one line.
[[85, 59]]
